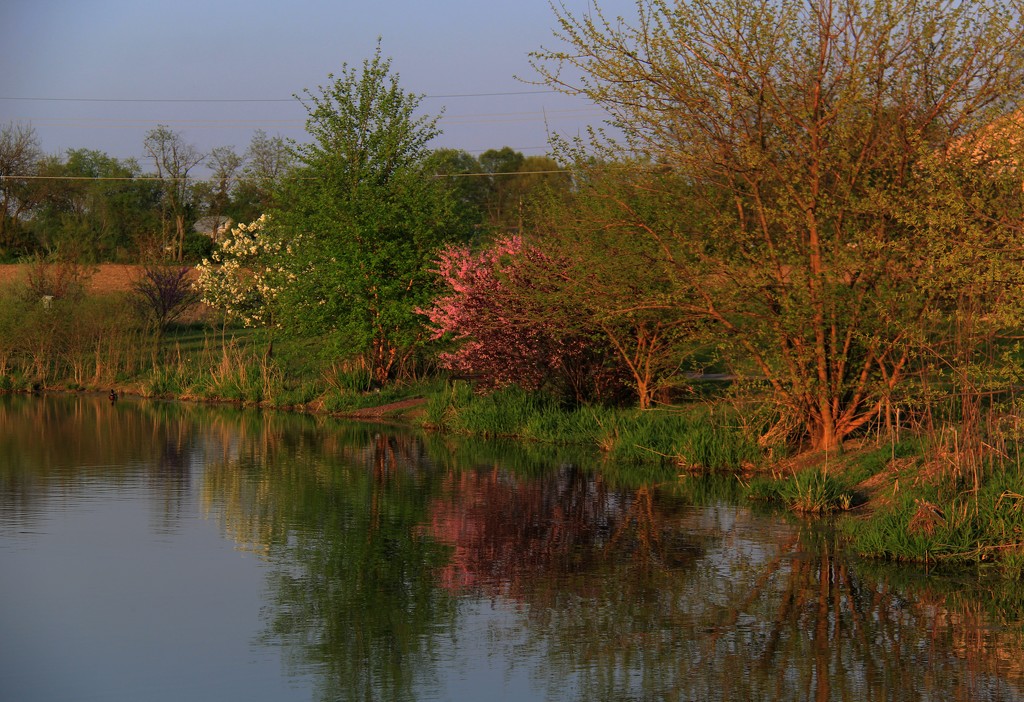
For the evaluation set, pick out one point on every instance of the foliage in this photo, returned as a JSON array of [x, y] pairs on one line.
[[502, 335], [162, 294], [75, 340], [173, 158], [513, 183], [945, 523], [241, 277], [226, 166], [614, 275], [460, 171], [19, 156], [839, 150], [266, 163], [361, 220], [94, 207], [49, 278], [686, 438], [811, 491]]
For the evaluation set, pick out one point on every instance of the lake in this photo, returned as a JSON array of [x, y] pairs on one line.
[[167, 551]]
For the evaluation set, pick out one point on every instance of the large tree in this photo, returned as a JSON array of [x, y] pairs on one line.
[[226, 166], [614, 277], [266, 163], [20, 155], [95, 207], [811, 129], [461, 172], [362, 217], [173, 158]]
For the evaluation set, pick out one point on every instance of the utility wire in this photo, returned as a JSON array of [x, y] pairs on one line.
[[469, 118], [234, 100]]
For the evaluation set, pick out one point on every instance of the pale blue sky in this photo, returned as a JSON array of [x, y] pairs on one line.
[[116, 53]]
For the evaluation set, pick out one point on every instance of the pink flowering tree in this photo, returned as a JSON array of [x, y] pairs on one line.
[[494, 312]]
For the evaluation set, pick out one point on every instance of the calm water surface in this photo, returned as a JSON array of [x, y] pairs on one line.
[[154, 551]]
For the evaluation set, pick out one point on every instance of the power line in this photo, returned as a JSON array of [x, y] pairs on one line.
[[500, 173], [251, 100], [467, 118]]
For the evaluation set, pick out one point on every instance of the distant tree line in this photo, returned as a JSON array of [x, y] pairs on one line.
[[88, 206]]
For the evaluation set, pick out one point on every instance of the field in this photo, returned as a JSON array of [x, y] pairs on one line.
[[108, 277]]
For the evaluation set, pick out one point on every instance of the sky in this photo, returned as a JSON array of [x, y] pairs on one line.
[[99, 74]]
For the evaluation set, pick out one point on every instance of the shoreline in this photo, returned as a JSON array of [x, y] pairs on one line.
[[889, 502]]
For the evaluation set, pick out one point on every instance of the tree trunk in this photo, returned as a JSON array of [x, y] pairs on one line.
[[825, 436], [179, 223]]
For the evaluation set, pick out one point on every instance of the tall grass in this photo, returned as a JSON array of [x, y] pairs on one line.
[[692, 438], [947, 522], [77, 342], [812, 491]]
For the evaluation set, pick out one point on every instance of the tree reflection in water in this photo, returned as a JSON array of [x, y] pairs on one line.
[[505, 532], [385, 547], [337, 513], [615, 593], [76, 442]]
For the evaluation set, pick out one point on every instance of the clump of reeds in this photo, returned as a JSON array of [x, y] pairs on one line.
[[811, 491]]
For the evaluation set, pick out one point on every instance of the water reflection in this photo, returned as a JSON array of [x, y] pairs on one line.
[[401, 567], [81, 445]]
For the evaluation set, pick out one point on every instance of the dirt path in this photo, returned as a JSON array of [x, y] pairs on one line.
[[405, 408]]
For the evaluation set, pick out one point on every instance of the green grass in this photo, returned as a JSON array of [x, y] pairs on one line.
[[691, 437], [810, 492], [949, 522]]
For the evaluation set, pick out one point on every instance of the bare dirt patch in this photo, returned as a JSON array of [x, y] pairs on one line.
[[403, 408], [105, 278]]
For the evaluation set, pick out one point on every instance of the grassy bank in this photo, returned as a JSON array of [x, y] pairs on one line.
[[699, 436], [904, 501], [95, 343]]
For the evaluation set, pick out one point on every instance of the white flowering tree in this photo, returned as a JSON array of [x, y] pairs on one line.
[[245, 275]]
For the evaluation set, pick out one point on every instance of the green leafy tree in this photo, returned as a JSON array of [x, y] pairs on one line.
[[95, 208], [361, 217], [461, 172], [808, 128]]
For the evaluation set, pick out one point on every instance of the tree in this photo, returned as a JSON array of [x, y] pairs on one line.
[[239, 277], [19, 156], [362, 218], [267, 161], [806, 127], [95, 207], [503, 201], [510, 323], [461, 172], [226, 166], [173, 158], [613, 280], [162, 295]]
